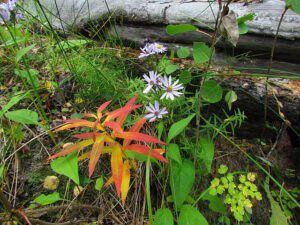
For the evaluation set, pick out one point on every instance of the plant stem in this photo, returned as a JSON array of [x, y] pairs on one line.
[[148, 193], [270, 67]]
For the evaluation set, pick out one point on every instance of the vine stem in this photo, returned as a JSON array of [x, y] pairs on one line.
[[270, 67]]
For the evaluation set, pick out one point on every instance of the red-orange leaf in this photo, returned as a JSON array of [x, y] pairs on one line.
[[114, 126], [135, 128], [138, 137], [87, 135], [90, 115], [117, 167], [78, 123], [121, 119], [95, 153], [73, 148], [144, 150], [101, 108], [119, 112], [125, 181]]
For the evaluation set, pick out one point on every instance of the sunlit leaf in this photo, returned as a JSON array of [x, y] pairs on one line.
[[201, 52], [13, 101], [23, 116], [173, 153], [95, 153], [117, 167], [99, 184], [180, 28], [178, 127], [125, 181], [67, 166], [47, 199], [183, 52]]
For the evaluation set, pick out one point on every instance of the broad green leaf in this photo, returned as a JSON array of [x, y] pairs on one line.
[[163, 217], [185, 77], [67, 166], [243, 29], [201, 52], [99, 184], [189, 215], [278, 217], [247, 17], [173, 153], [215, 203], [211, 91], [207, 151], [171, 68], [23, 116], [13, 101], [293, 5], [230, 98], [180, 28], [178, 127], [183, 52], [182, 177], [65, 45], [47, 199], [30, 76], [23, 52]]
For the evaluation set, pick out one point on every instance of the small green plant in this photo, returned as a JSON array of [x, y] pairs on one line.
[[286, 203], [239, 193]]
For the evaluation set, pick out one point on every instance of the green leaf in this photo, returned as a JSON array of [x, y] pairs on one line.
[[207, 151], [67, 166], [183, 52], [23, 52], [1, 172], [171, 68], [293, 5], [163, 217], [230, 98], [243, 29], [223, 169], [211, 91], [160, 129], [180, 28], [185, 77], [47, 199], [178, 127], [23, 116], [189, 215], [174, 153], [215, 203], [65, 45], [99, 184], [201, 52], [247, 17], [278, 217], [13, 101], [182, 177], [30, 76]]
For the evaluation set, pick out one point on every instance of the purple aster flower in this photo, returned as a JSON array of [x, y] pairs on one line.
[[171, 90], [154, 112], [4, 11], [153, 80], [151, 49]]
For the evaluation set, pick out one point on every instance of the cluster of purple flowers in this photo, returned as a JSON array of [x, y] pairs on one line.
[[7, 8], [156, 83], [152, 49]]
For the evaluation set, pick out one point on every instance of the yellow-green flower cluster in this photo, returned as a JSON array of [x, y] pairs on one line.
[[238, 195]]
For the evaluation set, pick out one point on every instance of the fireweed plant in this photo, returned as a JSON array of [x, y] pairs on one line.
[[106, 131]]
